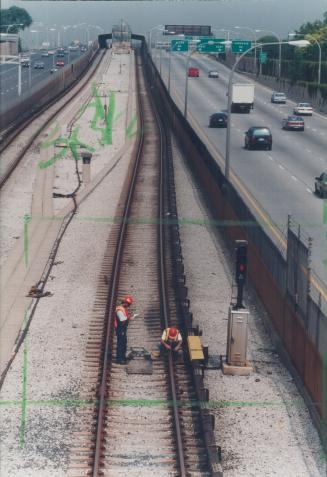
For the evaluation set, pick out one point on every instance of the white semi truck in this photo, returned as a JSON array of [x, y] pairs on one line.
[[242, 97]]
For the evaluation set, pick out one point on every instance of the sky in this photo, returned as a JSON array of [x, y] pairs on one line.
[[280, 16]]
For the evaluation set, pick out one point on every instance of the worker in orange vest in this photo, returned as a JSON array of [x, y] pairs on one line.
[[122, 318], [171, 341]]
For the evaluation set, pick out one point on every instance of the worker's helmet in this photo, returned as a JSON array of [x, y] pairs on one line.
[[128, 300], [172, 332]]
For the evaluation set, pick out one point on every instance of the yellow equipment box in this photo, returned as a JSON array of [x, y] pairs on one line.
[[195, 348]]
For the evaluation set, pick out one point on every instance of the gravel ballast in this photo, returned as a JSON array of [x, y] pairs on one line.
[[39, 417], [261, 421]]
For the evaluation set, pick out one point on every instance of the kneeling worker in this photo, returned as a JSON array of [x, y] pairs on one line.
[[171, 340], [122, 318]]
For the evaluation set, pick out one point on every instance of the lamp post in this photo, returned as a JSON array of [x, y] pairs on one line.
[[300, 43], [319, 47], [279, 50], [150, 36], [186, 84], [255, 50], [38, 39], [11, 25], [224, 30]]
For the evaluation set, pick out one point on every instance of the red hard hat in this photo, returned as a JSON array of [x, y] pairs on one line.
[[128, 300], [172, 332]]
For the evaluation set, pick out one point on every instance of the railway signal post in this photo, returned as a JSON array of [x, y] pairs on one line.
[[237, 335]]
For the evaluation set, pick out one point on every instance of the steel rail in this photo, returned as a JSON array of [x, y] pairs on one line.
[[112, 292], [163, 282]]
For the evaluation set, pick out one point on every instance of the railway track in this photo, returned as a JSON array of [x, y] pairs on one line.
[[145, 418]]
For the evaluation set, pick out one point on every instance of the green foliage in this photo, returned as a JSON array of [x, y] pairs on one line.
[[13, 15]]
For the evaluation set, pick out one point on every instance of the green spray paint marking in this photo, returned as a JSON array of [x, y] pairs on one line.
[[24, 384], [27, 219], [129, 131], [154, 403], [68, 144]]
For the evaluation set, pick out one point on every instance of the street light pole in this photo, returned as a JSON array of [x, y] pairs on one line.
[[255, 50], [279, 49], [319, 47], [20, 75], [229, 94]]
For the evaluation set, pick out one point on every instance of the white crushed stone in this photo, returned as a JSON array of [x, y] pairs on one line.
[[262, 423], [56, 342]]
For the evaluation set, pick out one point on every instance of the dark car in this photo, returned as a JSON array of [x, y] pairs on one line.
[[39, 65], [61, 54], [321, 185], [53, 70], [293, 122], [218, 120], [258, 137]]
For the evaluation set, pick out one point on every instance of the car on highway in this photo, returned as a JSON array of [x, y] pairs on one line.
[[39, 65], [218, 120], [45, 54], [60, 54], [60, 63], [25, 62], [321, 185], [213, 74], [53, 70], [83, 48], [303, 109], [51, 52], [279, 98], [259, 137], [293, 123], [193, 72]]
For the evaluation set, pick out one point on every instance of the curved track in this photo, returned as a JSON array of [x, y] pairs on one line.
[[141, 424]]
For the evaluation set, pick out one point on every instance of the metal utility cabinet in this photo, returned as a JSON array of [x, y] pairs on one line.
[[237, 337]]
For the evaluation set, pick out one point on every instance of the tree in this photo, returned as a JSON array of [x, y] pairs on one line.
[[12, 16]]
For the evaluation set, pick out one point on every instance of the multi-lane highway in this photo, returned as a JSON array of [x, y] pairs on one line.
[[281, 180], [30, 75]]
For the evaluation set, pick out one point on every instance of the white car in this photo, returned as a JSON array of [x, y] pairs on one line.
[[213, 74], [303, 109], [278, 97]]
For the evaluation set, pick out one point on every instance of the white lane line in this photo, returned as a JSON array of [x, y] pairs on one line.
[[281, 167], [310, 191], [294, 178], [271, 158], [308, 150]]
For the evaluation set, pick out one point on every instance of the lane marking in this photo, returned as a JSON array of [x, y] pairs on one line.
[[294, 178], [310, 191], [281, 167]]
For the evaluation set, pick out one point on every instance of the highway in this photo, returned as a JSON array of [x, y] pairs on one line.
[[9, 75], [281, 180]]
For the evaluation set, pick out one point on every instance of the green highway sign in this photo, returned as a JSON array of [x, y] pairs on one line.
[[211, 45], [179, 45], [240, 46], [263, 57]]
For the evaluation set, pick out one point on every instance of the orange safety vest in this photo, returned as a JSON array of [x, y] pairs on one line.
[[124, 310], [166, 338]]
